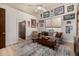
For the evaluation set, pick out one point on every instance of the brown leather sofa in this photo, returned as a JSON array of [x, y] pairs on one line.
[[46, 42], [42, 39]]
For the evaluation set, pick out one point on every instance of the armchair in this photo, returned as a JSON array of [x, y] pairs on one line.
[[34, 36]]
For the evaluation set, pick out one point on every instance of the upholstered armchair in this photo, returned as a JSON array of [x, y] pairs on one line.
[[34, 36]]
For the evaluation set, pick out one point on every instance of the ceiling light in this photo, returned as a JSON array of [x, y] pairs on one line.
[[39, 7]]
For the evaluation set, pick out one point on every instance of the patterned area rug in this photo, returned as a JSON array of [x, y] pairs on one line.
[[35, 49]]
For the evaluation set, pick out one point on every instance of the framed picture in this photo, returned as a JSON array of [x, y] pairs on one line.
[[48, 23], [46, 14], [33, 23], [59, 10], [57, 22], [68, 22], [41, 23], [70, 8], [69, 16], [68, 29]]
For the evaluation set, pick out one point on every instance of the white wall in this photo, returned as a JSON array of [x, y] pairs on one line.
[[23, 16], [12, 18], [68, 37]]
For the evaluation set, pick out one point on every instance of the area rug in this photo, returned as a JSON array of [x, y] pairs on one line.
[[35, 49]]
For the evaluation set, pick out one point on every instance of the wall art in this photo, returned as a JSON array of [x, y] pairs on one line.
[[69, 16], [68, 22], [33, 23], [70, 8], [59, 10], [46, 14], [56, 22], [48, 23], [68, 29], [41, 23]]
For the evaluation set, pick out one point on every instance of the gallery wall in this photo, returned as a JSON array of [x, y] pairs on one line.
[[67, 37], [13, 16]]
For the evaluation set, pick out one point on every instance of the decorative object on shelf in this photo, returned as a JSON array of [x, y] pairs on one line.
[[46, 14], [48, 23], [70, 8], [28, 23], [69, 16], [41, 23], [33, 23], [68, 29], [59, 10], [68, 22]]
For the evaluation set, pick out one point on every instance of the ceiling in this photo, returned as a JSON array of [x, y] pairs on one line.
[[33, 8]]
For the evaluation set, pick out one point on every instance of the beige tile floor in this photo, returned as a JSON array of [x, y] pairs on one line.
[[11, 50]]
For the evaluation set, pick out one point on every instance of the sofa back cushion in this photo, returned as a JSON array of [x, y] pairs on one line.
[[58, 34]]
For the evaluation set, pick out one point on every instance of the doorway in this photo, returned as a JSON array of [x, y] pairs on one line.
[[22, 30], [2, 28]]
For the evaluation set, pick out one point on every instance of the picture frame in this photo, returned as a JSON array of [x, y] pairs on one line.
[[33, 23], [57, 22], [41, 23], [48, 23], [69, 16], [68, 22], [46, 14], [68, 29], [70, 8], [60, 10]]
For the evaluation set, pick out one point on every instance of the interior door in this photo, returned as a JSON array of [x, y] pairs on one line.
[[2, 28], [22, 30]]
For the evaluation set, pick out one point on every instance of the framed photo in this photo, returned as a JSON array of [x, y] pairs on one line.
[[68, 22], [48, 23], [33, 23], [68, 29], [57, 22], [41, 23], [69, 16], [70, 8], [59, 10], [46, 14]]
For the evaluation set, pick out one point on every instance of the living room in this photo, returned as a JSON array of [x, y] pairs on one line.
[[40, 28]]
